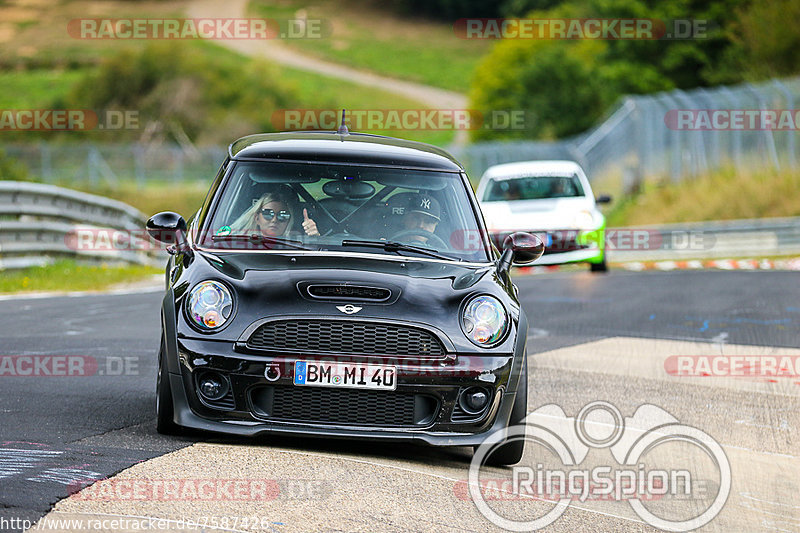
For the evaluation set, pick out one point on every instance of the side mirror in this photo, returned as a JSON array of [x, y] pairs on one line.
[[520, 248], [603, 199], [169, 228]]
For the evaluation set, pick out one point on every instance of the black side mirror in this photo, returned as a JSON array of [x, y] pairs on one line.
[[169, 228], [603, 199], [519, 248]]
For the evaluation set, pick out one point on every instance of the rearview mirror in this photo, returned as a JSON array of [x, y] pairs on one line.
[[520, 248], [169, 228], [603, 199]]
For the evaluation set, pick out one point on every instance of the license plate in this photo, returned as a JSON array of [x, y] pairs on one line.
[[345, 375]]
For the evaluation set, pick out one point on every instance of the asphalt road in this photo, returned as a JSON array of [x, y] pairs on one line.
[[592, 337]]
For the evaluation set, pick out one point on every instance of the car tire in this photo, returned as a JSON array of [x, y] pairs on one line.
[[165, 411], [510, 453], [599, 267]]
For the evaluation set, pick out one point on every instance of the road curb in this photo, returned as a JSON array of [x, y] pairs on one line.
[[791, 264]]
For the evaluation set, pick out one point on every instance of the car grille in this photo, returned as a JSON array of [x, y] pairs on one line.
[[343, 406], [345, 337]]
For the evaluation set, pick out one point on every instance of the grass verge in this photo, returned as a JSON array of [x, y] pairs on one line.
[[724, 195], [69, 275], [185, 198], [364, 36], [35, 89]]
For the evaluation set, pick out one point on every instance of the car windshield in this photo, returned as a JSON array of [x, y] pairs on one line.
[[335, 207], [533, 188]]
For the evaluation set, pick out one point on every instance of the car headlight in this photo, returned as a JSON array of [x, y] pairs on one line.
[[584, 220], [209, 305], [484, 320]]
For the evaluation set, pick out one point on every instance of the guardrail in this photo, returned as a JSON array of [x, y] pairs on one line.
[[708, 240], [38, 224]]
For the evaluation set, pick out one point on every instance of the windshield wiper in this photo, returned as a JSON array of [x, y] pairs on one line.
[[262, 239], [391, 246]]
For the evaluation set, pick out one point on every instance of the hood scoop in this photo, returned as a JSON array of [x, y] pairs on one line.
[[334, 291]]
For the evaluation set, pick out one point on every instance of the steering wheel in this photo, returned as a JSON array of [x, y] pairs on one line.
[[433, 239]]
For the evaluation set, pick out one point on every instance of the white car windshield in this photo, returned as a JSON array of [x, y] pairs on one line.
[[533, 188], [339, 207]]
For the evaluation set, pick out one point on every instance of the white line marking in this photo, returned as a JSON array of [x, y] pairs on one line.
[[116, 292]]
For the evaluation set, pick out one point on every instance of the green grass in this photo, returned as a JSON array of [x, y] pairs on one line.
[[41, 63], [72, 276], [40, 88], [184, 199], [34, 89], [314, 91], [724, 195], [366, 37]]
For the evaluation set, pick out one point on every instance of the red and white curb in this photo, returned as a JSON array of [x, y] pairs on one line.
[[696, 264], [719, 264]]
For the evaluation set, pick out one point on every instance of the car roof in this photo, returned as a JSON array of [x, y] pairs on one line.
[[526, 168], [353, 148]]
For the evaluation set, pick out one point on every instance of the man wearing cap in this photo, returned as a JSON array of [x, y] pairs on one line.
[[423, 213]]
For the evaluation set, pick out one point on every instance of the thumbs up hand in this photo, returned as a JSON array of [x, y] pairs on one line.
[[309, 226]]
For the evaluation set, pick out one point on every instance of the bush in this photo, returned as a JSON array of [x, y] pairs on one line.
[[184, 89], [569, 84], [559, 92]]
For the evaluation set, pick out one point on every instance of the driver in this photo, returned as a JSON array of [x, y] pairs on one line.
[[423, 213]]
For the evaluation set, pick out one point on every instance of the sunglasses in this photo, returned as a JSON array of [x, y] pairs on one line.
[[269, 214]]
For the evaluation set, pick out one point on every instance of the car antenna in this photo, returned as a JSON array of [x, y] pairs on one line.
[[343, 127]]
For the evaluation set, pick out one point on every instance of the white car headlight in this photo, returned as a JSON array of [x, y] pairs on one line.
[[209, 305], [484, 320], [584, 220]]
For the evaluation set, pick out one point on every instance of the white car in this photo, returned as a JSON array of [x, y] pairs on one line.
[[552, 199]]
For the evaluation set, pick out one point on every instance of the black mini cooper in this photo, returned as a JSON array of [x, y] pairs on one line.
[[342, 285]]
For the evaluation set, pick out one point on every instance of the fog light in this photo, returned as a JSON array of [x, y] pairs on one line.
[[212, 386], [473, 400]]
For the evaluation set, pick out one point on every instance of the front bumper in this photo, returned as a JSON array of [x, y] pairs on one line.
[[441, 380]]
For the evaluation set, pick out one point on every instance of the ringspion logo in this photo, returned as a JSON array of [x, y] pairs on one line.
[[561, 468]]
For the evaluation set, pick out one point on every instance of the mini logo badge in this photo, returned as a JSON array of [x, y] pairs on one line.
[[426, 203], [348, 309]]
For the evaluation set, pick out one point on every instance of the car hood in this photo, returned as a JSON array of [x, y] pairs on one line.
[[531, 215], [427, 293]]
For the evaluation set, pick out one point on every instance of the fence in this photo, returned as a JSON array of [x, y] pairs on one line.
[[638, 141], [38, 220], [642, 138], [111, 163]]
